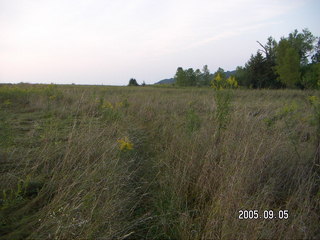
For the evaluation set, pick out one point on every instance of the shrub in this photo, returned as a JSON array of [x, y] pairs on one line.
[[133, 82]]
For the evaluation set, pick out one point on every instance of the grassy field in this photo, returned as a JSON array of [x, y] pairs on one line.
[[95, 162]]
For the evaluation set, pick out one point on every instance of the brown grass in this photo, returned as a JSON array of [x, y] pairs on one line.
[[179, 181]]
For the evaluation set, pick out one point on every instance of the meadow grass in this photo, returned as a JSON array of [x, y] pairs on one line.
[[95, 162]]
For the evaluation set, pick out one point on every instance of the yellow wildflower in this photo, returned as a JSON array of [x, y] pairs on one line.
[[232, 82], [125, 144], [217, 82], [52, 97], [313, 99], [119, 104], [107, 105], [218, 77]]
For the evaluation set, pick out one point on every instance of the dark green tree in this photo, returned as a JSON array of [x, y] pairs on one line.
[[269, 50], [198, 77], [283, 63], [133, 82], [181, 77], [311, 76], [206, 76], [187, 77], [256, 71], [191, 77], [242, 76]]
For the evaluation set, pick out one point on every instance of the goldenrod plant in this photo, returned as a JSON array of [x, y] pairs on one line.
[[217, 83], [220, 83], [232, 82], [222, 98], [125, 144]]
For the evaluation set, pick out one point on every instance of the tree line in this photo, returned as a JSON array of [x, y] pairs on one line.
[[292, 62]]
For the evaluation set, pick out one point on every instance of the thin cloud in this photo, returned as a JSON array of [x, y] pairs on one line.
[[230, 33], [114, 39]]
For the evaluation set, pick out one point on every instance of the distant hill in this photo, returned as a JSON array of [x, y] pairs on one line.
[[171, 80], [229, 73], [166, 81]]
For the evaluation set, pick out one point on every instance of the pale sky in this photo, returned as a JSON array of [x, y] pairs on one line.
[[108, 42]]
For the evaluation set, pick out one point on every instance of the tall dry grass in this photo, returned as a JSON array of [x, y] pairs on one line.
[[187, 177]]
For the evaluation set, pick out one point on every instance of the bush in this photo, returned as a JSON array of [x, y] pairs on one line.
[[133, 82]]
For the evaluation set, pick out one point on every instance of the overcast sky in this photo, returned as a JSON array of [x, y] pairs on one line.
[[110, 41]]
